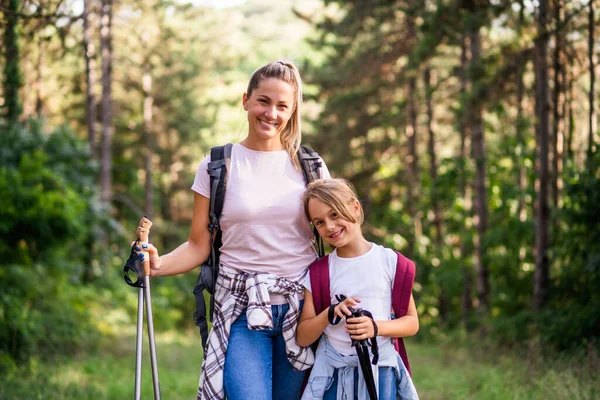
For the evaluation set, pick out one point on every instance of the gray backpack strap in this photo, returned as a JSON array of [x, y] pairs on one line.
[[312, 169], [311, 164], [218, 170]]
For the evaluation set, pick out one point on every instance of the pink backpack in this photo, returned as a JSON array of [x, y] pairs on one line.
[[403, 283]]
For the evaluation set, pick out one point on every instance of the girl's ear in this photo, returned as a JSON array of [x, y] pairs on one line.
[[245, 101], [356, 207]]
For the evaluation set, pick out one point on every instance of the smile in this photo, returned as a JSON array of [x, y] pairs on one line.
[[336, 235], [267, 124]]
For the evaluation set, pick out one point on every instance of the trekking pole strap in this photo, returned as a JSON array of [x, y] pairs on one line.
[[200, 313], [134, 265]]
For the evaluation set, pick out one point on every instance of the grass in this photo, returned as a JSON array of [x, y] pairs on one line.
[[446, 371], [110, 373], [440, 371]]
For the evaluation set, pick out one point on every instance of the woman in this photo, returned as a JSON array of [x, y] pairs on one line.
[[267, 247]]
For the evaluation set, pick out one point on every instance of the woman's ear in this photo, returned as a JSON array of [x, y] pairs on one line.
[[245, 101]]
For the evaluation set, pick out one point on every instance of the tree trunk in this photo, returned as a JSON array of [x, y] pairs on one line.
[[556, 117], [147, 139], [542, 272], [465, 192], [12, 72], [480, 200], [432, 159], [412, 159], [90, 76], [39, 83], [570, 121], [106, 147], [565, 113], [437, 212], [411, 133], [592, 114], [519, 136]]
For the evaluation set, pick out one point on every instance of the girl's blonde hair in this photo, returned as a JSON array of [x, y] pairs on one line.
[[339, 194], [287, 72]]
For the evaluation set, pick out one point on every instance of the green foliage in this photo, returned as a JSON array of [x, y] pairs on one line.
[[573, 315], [45, 187]]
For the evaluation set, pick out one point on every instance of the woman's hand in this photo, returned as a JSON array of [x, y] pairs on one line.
[[360, 328], [152, 252]]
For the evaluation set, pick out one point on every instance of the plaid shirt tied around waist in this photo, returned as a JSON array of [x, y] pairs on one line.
[[234, 292]]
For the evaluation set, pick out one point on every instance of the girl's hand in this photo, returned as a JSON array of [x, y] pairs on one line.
[[360, 328], [342, 309], [152, 252]]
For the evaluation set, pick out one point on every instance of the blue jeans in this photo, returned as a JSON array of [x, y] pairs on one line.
[[256, 365], [387, 384]]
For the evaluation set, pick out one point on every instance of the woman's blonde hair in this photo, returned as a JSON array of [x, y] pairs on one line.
[[287, 72], [339, 194]]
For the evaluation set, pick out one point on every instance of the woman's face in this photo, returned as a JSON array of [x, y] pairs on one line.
[[269, 107]]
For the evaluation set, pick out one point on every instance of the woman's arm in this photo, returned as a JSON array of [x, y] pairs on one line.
[[311, 325], [408, 325], [189, 254]]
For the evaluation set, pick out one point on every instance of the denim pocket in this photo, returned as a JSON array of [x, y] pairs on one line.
[[319, 385]]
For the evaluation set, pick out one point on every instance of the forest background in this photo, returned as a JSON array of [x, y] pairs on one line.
[[468, 127]]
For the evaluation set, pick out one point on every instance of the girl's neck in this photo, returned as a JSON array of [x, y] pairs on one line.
[[354, 248], [262, 145]]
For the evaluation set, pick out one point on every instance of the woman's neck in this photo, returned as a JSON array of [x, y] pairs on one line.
[[262, 145], [355, 248]]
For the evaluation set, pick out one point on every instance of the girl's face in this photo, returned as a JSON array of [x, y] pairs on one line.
[[269, 107], [335, 230]]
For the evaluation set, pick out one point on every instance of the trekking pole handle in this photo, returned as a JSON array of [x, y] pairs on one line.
[[142, 231]]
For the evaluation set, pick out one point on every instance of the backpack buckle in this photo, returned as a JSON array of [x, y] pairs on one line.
[[207, 277], [213, 225]]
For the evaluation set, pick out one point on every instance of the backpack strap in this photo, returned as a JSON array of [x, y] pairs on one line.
[[319, 283], [220, 161], [401, 292], [217, 169], [219, 174], [312, 165]]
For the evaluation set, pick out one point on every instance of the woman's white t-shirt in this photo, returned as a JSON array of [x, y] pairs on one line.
[[370, 278], [263, 222]]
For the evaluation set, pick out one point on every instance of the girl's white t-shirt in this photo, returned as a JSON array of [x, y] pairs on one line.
[[370, 278], [263, 222]]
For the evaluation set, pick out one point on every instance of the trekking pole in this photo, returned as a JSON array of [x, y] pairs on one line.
[[142, 232], [138, 343]]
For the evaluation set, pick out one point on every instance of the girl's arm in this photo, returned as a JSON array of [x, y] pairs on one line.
[[408, 325], [311, 325], [189, 254]]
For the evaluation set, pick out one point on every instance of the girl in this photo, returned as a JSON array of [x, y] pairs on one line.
[[364, 273], [267, 246]]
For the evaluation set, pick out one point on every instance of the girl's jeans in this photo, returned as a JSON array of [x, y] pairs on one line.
[[256, 366], [387, 384]]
